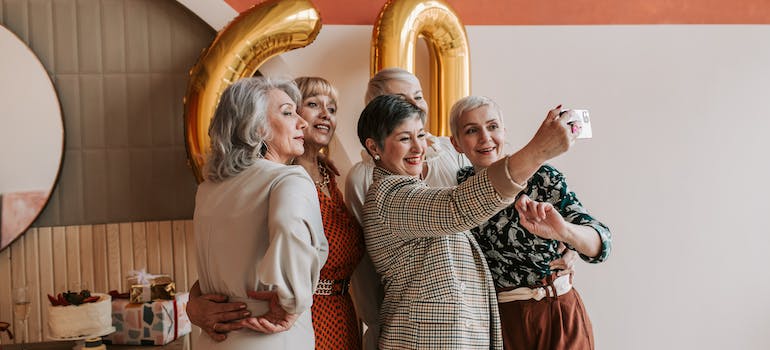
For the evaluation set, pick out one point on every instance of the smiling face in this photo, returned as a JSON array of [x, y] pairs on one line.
[[480, 135], [403, 150], [320, 114], [409, 89], [287, 139]]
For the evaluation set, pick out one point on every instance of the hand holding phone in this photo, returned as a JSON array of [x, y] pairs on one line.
[[581, 118]]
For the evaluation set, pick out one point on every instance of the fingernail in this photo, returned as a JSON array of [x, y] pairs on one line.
[[246, 314], [242, 306]]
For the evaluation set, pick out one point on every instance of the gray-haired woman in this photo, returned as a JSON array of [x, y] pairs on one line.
[[439, 293], [257, 219]]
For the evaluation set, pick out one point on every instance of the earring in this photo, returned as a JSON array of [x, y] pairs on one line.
[[377, 157]]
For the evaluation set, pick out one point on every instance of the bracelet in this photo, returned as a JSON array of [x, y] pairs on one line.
[[508, 173]]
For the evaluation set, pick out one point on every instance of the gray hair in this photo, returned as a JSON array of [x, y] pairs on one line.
[[376, 86], [240, 125], [383, 115], [470, 103]]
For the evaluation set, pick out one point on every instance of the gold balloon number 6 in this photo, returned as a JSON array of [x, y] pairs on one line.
[[277, 26], [394, 40], [247, 42]]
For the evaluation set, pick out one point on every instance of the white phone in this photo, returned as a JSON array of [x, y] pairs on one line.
[[580, 117]]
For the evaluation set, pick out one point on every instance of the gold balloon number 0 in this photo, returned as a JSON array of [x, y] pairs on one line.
[[278, 26]]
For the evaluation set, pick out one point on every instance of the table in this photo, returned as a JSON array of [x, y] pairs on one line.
[[182, 343]]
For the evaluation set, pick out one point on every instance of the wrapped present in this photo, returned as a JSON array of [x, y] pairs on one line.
[[145, 287], [156, 322]]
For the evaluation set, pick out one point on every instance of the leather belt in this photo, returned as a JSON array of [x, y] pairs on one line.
[[332, 287], [560, 286]]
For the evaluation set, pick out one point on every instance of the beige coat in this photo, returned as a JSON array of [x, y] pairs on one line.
[[261, 230]]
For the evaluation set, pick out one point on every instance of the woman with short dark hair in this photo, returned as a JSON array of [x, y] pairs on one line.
[[438, 291]]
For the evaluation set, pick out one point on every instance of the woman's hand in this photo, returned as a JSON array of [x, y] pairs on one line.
[[553, 138], [275, 320], [213, 314], [544, 221], [566, 264], [541, 219]]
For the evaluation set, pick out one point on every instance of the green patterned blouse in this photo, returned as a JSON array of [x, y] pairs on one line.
[[517, 257]]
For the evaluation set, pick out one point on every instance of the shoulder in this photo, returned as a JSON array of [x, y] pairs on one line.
[[281, 173], [385, 184]]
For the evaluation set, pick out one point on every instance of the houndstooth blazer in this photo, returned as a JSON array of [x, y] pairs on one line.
[[439, 293]]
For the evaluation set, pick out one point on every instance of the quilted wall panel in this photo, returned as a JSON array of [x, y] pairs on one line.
[[120, 70]]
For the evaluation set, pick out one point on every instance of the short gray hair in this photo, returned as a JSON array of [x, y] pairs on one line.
[[376, 86], [240, 125], [470, 103]]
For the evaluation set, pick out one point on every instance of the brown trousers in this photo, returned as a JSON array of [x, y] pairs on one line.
[[553, 323]]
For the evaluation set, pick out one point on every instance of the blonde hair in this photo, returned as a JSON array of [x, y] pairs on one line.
[[470, 103], [315, 86], [240, 126], [376, 86]]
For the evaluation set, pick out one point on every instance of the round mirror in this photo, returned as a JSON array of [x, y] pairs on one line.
[[31, 137]]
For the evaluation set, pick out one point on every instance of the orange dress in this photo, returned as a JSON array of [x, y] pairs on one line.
[[334, 318]]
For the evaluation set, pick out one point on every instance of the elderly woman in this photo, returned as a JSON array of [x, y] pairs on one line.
[[334, 317], [538, 309], [333, 314], [257, 218], [438, 291], [440, 169]]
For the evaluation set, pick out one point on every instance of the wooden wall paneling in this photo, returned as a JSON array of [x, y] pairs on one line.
[[180, 256], [139, 245], [153, 247], [87, 260], [46, 264], [192, 254], [192, 274], [18, 279], [165, 234], [6, 313], [72, 236], [126, 252], [37, 298], [52, 260], [59, 260], [100, 259], [114, 282]]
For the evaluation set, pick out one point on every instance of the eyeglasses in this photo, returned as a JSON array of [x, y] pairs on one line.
[[5, 327]]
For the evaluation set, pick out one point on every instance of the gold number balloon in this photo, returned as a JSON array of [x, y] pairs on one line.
[[394, 39], [256, 35]]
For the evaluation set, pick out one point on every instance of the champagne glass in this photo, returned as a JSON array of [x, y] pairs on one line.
[[21, 306]]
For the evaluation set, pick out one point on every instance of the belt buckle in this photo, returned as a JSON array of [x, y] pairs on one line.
[[345, 285]]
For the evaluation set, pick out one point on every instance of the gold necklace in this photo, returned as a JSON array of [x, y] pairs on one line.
[[324, 182]]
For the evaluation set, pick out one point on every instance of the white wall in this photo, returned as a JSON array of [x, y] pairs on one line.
[[676, 167]]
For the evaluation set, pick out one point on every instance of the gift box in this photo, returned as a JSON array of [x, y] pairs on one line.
[[145, 287], [156, 322]]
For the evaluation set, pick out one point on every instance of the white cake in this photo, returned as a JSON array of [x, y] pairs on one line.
[[89, 319]]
